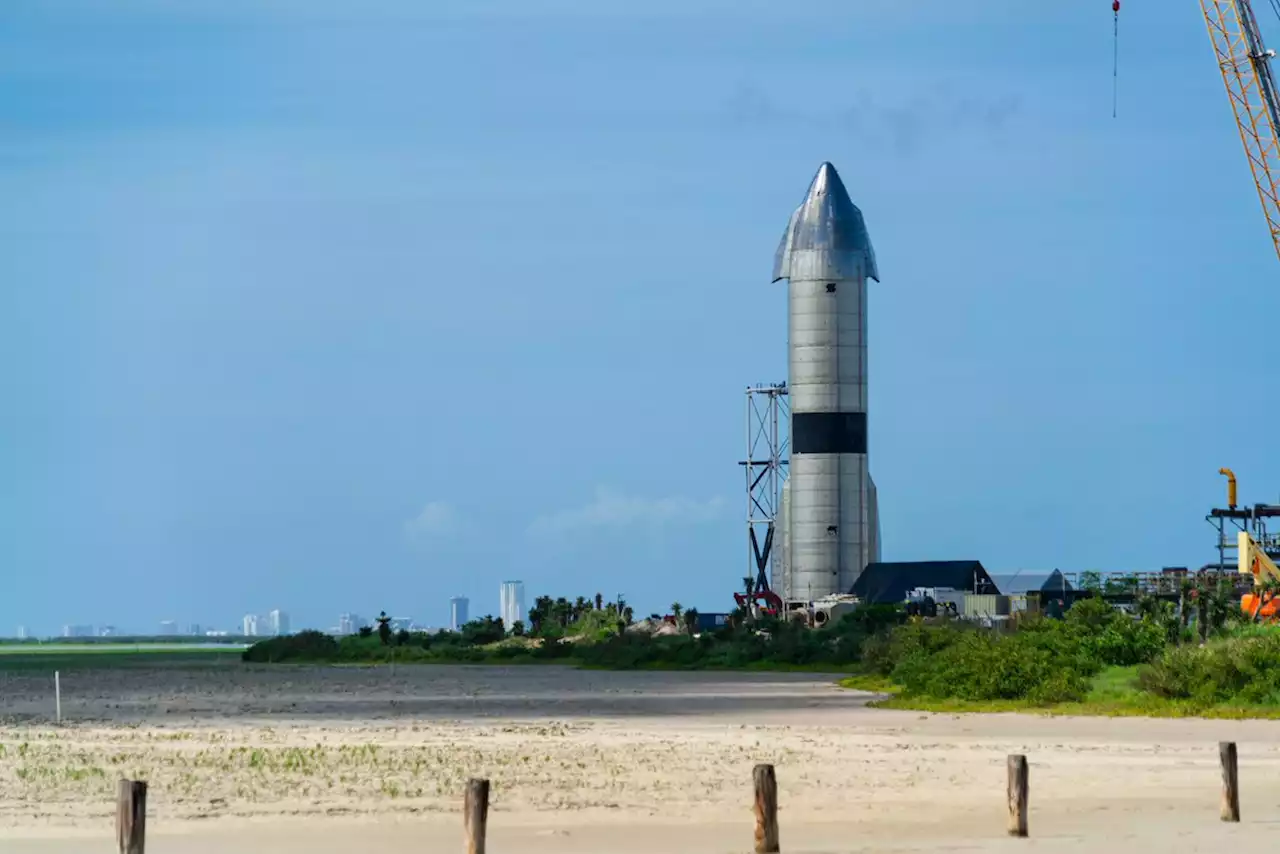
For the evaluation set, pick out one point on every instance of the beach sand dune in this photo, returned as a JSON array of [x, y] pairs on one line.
[[319, 759]]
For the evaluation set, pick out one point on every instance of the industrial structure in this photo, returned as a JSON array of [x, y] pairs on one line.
[[1245, 64], [766, 462], [812, 511], [812, 493]]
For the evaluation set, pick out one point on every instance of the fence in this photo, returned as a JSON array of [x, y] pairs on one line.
[[131, 805]]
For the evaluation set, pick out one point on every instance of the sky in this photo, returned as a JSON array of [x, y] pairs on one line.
[[335, 306]]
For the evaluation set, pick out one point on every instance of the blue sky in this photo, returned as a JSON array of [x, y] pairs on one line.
[[334, 306]]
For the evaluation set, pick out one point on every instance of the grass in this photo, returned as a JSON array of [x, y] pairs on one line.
[[114, 648], [52, 658], [1114, 693]]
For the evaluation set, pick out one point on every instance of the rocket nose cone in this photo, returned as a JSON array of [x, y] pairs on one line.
[[827, 180], [827, 197], [826, 221]]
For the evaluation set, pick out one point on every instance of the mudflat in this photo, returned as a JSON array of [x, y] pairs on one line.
[[317, 759]]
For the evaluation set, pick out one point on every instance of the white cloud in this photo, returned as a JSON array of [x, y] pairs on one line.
[[436, 519], [613, 509]]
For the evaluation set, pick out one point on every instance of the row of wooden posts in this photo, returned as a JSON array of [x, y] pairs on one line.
[[131, 806], [1019, 789]]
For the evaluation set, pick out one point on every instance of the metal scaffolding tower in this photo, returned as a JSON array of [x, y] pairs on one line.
[[1229, 521], [768, 450]]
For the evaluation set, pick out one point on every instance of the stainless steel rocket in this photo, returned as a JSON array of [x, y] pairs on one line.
[[829, 520]]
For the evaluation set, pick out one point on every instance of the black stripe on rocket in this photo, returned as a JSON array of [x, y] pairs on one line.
[[829, 432]]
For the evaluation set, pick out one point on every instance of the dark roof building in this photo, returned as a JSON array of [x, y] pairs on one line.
[[1032, 582], [889, 583]]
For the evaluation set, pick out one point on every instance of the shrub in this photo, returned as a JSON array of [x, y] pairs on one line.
[[882, 652], [1234, 670], [304, 646], [979, 665], [1111, 637], [1042, 661]]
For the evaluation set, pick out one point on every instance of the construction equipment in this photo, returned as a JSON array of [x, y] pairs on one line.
[[1262, 602], [1245, 64]]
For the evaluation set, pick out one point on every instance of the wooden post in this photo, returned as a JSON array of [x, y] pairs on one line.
[[766, 784], [476, 815], [131, 816], [1230, 781], [1019, 783]]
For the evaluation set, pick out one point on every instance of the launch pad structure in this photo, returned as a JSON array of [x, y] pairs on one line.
[[1235, 518], [768, 419]]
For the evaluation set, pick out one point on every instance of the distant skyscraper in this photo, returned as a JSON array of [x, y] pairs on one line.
[[77, 631], [22, 632], [250, 625], [350, 624], [458, 612], [168, 627], [279, 622], [511, 603], [195, 630]]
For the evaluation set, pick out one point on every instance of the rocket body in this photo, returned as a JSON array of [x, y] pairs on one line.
[[831, 521]]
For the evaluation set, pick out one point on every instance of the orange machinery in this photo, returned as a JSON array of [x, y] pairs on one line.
[[1262, 603]]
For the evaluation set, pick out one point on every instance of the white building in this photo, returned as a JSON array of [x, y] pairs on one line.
[[168, 628], [458, 612], [250, 625], [349, 624], [22, 632], [279, 622], [511, 603]]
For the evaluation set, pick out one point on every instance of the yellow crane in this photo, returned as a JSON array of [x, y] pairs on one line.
[[1245, 64], [1266, 576]]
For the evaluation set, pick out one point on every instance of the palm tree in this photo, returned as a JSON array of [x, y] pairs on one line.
[[676, 610], [384, 628], [599, 602], [691, 621], [538, 613]]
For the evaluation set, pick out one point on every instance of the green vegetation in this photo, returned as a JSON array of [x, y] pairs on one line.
[[596, 635], [7, 644], [72, 657], [1095, 661], [117, 649], [1203, 658]]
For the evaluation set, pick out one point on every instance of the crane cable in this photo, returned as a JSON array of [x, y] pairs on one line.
[[1115, 59]]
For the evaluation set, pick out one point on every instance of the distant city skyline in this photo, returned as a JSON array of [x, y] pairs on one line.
[[277, 621]]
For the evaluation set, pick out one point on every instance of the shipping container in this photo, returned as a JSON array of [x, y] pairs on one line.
[[977, 605]]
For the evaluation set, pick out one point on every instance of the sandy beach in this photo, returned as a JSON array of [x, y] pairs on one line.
[[315, 759]]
